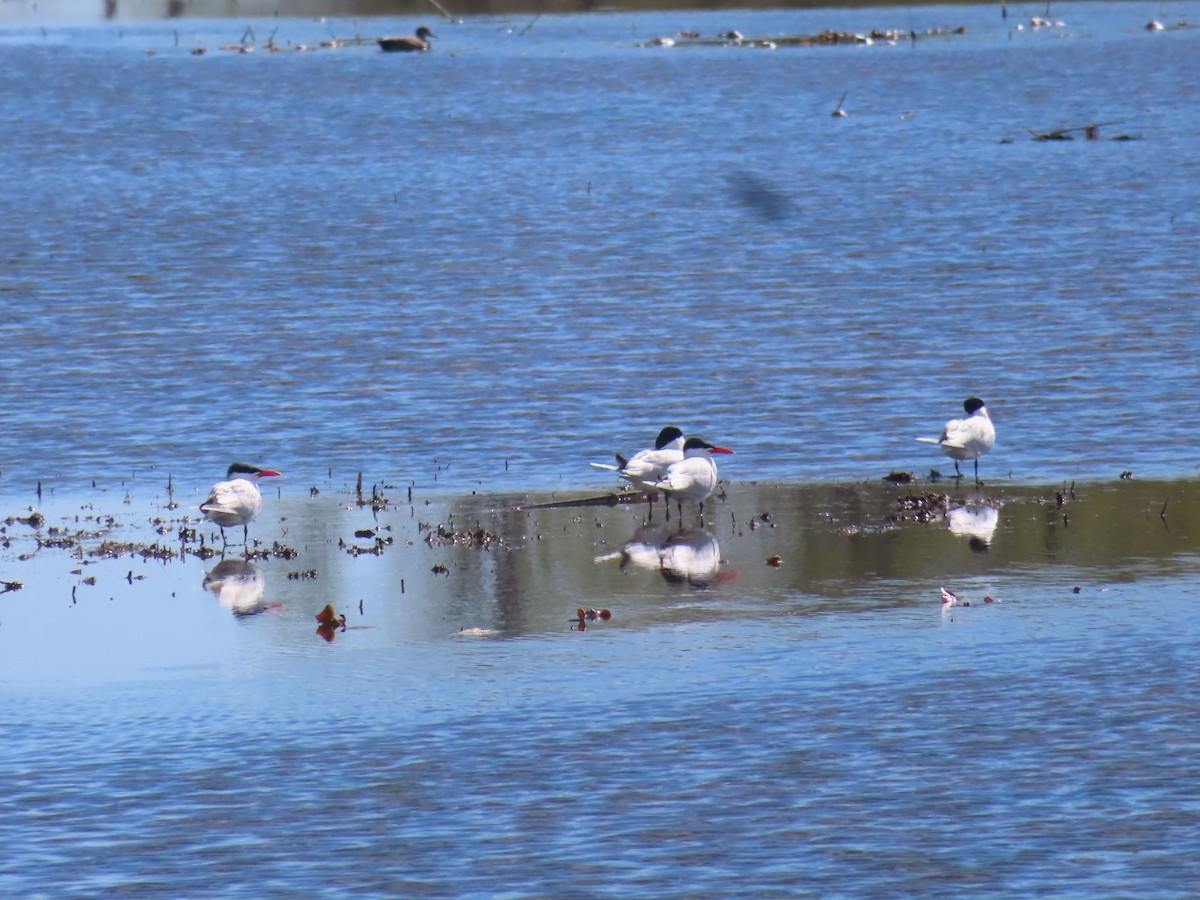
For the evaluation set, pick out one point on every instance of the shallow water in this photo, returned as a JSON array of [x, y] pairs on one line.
[[467, 275], [735, 728]]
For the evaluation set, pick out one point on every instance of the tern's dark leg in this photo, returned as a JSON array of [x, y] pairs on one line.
[[245, 535], [977, 470]]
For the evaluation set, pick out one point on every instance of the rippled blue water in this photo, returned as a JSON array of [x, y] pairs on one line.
[[537, 249], [490, 264], [1043, 749]]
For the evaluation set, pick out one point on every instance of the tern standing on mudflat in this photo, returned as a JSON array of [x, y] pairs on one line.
[[695, 476], [967, 438], [236, 501]]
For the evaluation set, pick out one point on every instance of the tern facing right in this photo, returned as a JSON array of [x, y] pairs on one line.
[[967, 438], [237, 500], [695, 476]]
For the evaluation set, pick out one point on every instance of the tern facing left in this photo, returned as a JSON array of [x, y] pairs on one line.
[[967, 438], [647, 466], [695, 476], [236, 501]]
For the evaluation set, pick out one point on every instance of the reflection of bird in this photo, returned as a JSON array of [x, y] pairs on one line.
[[238, 585], [642, 549], [695, 476], [692, 555], [647, 466], [407, 43], [236, 501], [688, 554], [977, 521], [967, 438]]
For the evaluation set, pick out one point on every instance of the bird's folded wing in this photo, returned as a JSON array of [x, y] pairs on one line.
[[606, 467], [929, 440]]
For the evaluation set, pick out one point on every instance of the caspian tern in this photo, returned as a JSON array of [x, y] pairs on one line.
[[967, 438], [695, 476], [647, 466], [237, 500]]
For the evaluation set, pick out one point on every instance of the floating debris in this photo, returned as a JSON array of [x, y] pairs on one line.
[[1091, 132], [584, 616], [33, 520], [276, 550], [329, 615], [921, 507], [476, 536], [329, 622], [602, 500], [827, 38], [761, 520], [949, 598], [111, 549], [900, 477], [774, 561]]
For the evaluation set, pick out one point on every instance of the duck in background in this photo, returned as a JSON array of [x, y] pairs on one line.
[[418, 43]]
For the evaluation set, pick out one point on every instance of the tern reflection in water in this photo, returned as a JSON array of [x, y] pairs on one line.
[[239, 585], [690, 555], [977, 521]]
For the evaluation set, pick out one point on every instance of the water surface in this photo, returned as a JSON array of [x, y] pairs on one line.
[[471, 272], [523, 251]]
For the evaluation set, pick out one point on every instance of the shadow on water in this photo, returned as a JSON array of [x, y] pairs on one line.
[[483, 566]]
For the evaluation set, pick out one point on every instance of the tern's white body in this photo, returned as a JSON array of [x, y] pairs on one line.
[[969, 437], [236, 501], [647, 466], [695, 476]]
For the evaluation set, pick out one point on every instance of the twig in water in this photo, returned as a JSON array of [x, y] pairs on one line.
[[1163, 515], [443, 10], [530, 25]]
